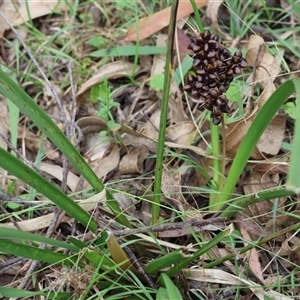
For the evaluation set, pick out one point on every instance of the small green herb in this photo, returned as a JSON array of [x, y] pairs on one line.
[[103, 95]]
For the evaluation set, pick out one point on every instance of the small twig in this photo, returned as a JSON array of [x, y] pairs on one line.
[[168, 226], [139, 267], [74, 103], [8, 264]]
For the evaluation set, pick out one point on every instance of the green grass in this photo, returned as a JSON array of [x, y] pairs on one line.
[[96, 254]]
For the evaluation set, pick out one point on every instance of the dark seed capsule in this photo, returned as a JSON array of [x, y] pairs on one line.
[[201, 54], [214, 64], [191, 78], [217, 120], [195, 94], [236, 70], [218, 102], [199, 78], [214, 93], [225, 108], [206, 47], [222, 88], [199, 40], [196, 62], [222, 77], [236, 60], [215, 37], [187, 87], [200, 71], [190, 46], [229, 72], [212, 43], [218, 63], [243, 63], [209, 68], [238, 53], [212, 76], [217, 111], [211, 53], [196, 48], [208, 104], [223, 99], [212, 84], [228, 62], [198, 85], [226, 52], [206, 35], [204, 94]]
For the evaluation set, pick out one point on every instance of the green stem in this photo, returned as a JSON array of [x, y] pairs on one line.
[[164, 116], [216, 165]]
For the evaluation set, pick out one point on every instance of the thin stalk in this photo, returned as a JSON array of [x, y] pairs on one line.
[[164, 116], [216, 165]]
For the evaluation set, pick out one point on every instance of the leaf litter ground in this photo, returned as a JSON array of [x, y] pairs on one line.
[[125, 159]]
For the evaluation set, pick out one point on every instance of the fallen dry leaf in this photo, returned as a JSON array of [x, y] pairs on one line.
[[57, 172], [235, 132], [105, 165], [181, 133], [132, 162], [266, 66], [254, 183], [271, 140], [112, 70], [159, 60], [253, 256], [157, 21]]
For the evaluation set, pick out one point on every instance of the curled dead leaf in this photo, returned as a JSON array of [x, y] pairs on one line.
[[132, 162], [112, 70]]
